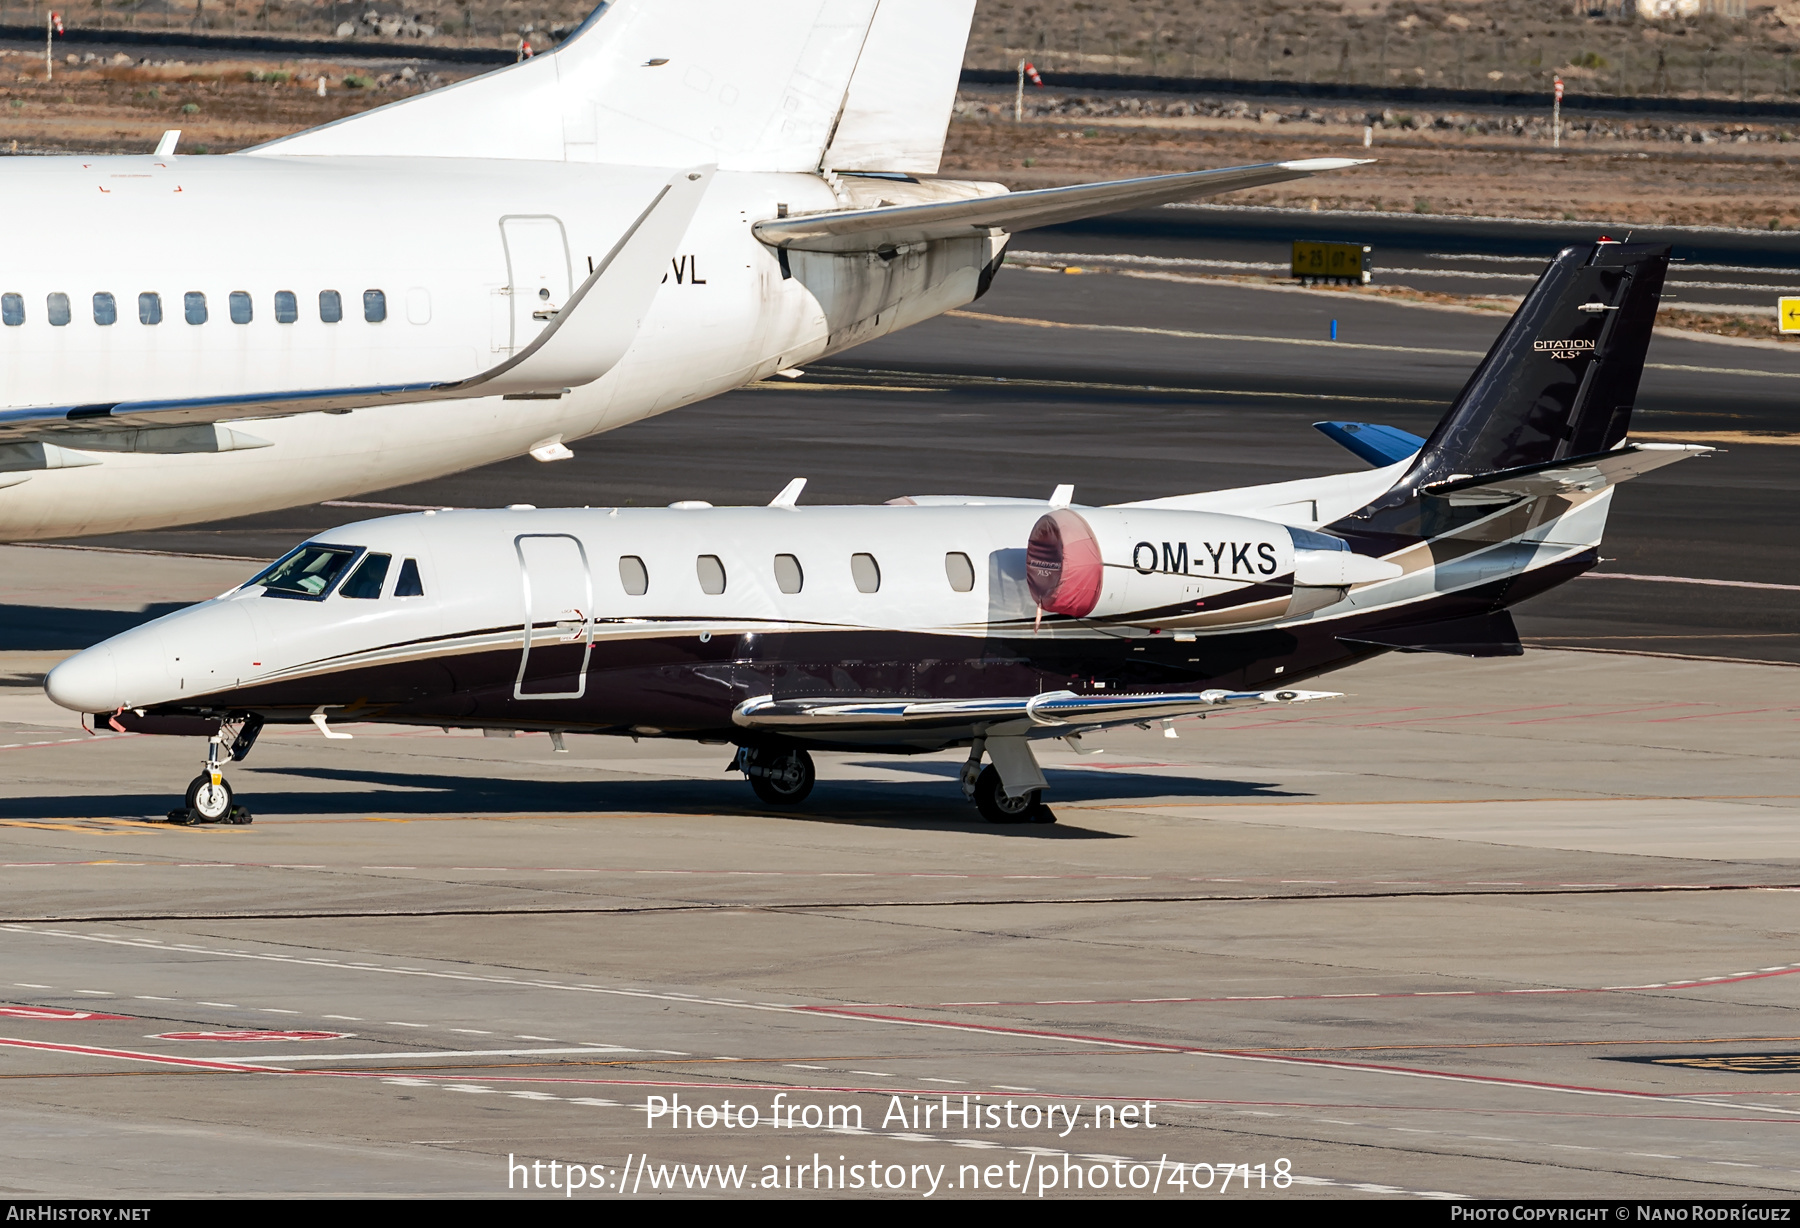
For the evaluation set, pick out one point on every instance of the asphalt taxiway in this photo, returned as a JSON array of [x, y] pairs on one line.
[[1502, 928]]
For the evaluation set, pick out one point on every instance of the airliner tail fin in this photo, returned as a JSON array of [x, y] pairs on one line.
[[779, 85]]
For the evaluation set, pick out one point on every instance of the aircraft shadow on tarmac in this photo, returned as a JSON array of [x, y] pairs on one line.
[[428, 795], [36, 628]]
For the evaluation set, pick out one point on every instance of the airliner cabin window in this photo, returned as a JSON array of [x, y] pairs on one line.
[[633, 576], [193, 306], [58, 306], [331, 306], [409, 584], [106, 308], [788, 575], [149, 308], [240, 307], [866, 572], [12, 309], [712, 574], [374, 306], [365, 582], [307, 571], [960, 571], [287, 307]]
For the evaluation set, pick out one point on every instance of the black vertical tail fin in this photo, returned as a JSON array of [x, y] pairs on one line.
[[1560, 379]]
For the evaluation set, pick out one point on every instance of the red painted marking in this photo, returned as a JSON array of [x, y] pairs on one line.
[[249, 1034], [1586, 716], [129, 1055], [51, 1012]]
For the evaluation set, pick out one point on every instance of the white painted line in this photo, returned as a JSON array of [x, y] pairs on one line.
[[1619, 575], [413, 1054], [395, 1023]]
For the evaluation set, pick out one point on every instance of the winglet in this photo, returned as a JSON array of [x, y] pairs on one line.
[[790, 494]]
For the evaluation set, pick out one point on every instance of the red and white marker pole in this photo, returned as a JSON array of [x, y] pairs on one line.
[[1026, 69], [1556, 117]]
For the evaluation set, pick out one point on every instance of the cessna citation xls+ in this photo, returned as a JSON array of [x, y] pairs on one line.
[[937, 622], [683, 197]]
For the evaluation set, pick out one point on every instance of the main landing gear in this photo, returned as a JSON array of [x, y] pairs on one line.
[[1009, 790], [209, 797], [781, 777]]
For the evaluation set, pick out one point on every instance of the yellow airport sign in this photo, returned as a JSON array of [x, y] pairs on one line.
[[1339, 262], [1787, 311]]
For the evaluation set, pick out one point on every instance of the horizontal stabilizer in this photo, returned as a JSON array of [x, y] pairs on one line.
[[1572, 475], [1061, 711], [1486, 635], [1379, 445], [588, 336], [869, 230]]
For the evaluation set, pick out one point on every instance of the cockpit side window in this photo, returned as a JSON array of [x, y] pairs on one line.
[[409, 584], [306, 572], [366, 582]]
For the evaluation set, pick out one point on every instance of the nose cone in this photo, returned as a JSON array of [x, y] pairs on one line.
[[87, 681]]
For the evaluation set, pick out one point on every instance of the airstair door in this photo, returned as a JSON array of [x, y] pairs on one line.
[[558, 593], [538, 279]]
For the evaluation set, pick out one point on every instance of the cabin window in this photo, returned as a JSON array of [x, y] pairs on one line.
[[960, 571], [240, 307], [633, 575], [12, 309], [712, 574], [193, 306], [106, 308], [149, 308], [58, 307], [374, 306], [409, 584], [366, 581], [287, 307], [866, 572], [331, 306], [789, 577], [306, 571], [418, 305]]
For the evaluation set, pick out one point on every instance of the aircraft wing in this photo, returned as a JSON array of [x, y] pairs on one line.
[[1054, 713], [583, 342], [868, 230], [1584, 474]]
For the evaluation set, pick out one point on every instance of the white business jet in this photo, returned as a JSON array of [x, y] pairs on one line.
[[938, 622], [684, 197]]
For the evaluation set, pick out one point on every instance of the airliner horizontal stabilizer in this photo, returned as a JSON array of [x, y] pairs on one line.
[[869, 230]]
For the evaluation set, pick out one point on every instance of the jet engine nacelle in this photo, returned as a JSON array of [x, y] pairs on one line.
[[1179, 569]]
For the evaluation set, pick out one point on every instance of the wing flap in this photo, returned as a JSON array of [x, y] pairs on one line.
[[868, 230], [583, 342], [1059, 711]]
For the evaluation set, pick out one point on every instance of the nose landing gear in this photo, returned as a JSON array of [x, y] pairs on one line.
[[209, 797]]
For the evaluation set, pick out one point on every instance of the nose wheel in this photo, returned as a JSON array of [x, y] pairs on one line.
[[209, 796]]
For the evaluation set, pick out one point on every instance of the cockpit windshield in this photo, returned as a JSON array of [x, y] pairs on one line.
[[307, 571]]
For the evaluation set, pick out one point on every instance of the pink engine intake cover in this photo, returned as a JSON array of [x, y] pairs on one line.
[[1062, 565]]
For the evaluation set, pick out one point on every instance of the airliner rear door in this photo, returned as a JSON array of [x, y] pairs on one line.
[[558, 600], [537, 274]]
